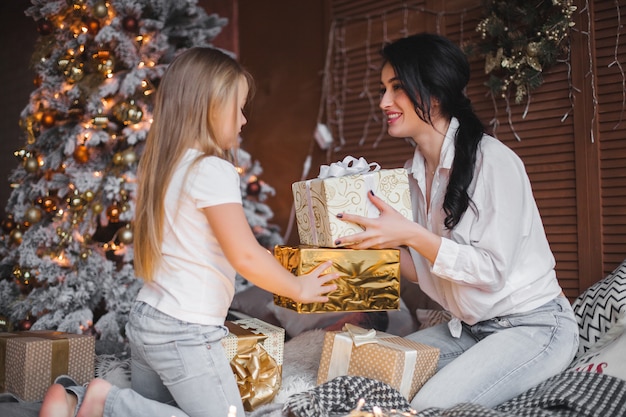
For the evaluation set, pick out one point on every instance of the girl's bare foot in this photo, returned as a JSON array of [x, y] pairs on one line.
[[58, 403], [93, 403]]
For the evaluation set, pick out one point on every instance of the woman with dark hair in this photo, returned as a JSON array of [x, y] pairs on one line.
[[477, 245]]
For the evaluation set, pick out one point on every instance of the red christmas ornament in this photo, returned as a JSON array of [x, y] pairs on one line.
[[26, 324], [130, 24], [44, 27], [81, 154], [253, 188]]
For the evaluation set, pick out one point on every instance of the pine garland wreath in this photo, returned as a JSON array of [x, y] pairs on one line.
[[520, 39]]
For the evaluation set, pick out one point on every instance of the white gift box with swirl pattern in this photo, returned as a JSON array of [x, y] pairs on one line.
[[342, 187]]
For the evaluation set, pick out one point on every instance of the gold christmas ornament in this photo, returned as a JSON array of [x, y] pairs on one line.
[[129, 156], [105, 63], [33, 215], [125, 235], [76, 201], [118, 158], [89, 196], [16, 236], [100, 9], [97, 208], [31, 164], [127, 112]]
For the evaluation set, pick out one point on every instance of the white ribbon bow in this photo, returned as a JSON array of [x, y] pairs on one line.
[[359, 335], [349, 166]]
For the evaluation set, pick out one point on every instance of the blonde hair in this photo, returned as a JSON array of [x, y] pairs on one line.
[[192, 95]]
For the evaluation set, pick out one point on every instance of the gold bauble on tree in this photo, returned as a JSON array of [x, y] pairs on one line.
[[129, 156], [97, 208], [89, 196], [100, 9], [128, 112], [125, 235], [104, 62], [32, 215], [31, 164], [76, 201], [16, 235]]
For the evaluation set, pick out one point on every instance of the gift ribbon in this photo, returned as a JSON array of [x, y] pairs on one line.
[[310, 211], [345, 341], [348, 166], [257, 374], [60, 352]]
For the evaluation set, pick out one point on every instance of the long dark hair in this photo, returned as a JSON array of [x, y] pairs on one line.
[[431, 66]]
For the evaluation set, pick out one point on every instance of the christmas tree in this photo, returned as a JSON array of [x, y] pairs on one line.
[[66, 248]]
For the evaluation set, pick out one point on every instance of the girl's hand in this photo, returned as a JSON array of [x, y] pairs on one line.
[[391, 229], [315, 284]]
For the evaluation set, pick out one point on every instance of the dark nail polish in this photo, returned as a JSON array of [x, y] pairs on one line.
[[337, 242], [339, 215], [372, 192]]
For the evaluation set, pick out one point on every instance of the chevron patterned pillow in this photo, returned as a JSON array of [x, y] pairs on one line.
[[599, 307]]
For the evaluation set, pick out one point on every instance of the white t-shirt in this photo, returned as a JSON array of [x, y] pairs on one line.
[[194, 282], [494, 262]]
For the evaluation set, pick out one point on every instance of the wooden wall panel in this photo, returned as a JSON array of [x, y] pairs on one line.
[[611, 102]]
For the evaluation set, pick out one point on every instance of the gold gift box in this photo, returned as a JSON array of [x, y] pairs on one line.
[[369, 279], [318, 201], [31, 360], [255, 351], [401, 363]]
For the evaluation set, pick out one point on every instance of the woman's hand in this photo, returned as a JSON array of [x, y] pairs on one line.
[[391, 229]]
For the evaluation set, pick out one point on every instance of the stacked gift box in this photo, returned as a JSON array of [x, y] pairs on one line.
[[369, 279]]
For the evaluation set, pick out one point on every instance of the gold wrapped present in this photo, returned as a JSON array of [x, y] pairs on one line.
[[399, 362], [255, 351], [369, 278], [318, 201], [31, 360]]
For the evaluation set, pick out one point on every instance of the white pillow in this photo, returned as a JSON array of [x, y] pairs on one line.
[[606, 356], [598, 308]]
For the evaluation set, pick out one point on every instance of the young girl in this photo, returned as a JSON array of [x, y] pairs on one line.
[[477, 245], [191, 237]]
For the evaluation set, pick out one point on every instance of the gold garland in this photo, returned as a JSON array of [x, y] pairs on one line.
[[520, 39]]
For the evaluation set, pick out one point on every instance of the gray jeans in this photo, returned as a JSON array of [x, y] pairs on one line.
[[177, 363]]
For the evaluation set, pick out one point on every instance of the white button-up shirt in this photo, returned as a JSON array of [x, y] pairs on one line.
[[497, 260]]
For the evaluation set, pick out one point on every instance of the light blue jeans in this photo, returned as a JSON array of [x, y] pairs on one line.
[[177, 363], [497, 359]]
